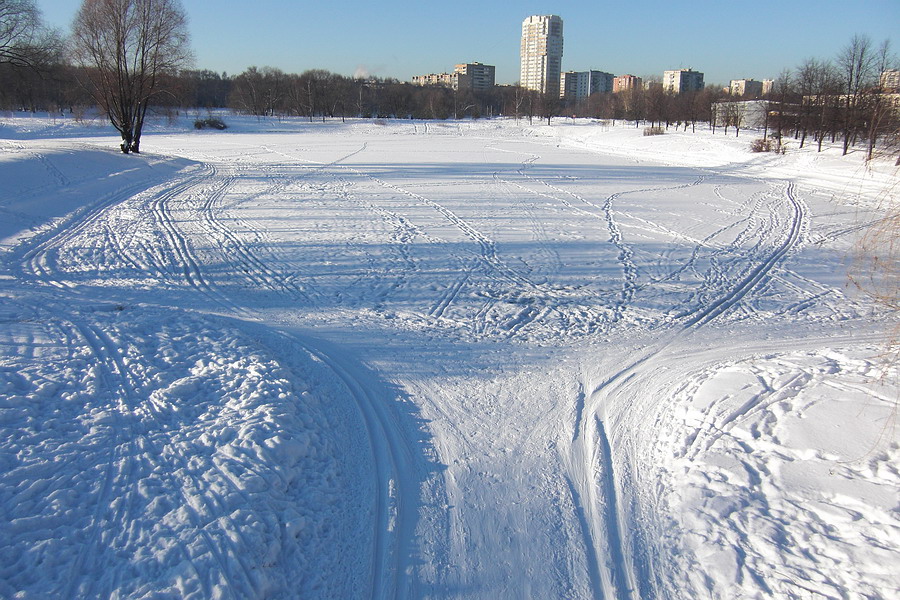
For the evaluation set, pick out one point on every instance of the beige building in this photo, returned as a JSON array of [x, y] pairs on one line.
[[446, 79], [682, 80], [541, 54], [890, 80], [474, 76], [468, 76], [626, 82], [745, 87]]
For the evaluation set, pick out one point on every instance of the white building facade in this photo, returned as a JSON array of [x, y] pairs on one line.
[[541, 54], [577, 85]]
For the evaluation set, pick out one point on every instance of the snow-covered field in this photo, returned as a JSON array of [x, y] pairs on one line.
[[470, 360]]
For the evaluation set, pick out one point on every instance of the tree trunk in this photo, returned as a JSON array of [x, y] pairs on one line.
[[126, 142]]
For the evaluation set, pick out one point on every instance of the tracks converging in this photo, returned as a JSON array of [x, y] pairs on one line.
[[599, 472]]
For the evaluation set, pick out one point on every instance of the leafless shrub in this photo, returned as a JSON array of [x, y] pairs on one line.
[[761, 145], [210, 123], [654, 131]]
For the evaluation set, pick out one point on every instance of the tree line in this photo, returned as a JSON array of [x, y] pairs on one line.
[[128, 57], [848, 99]]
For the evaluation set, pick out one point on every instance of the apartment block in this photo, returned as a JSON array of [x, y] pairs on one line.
[[682, 80], [446, 79], [541, 54], [577, 85], [746, 87], [768, 86], [474, 76], [626, 82], [468, 76], [890, 80]]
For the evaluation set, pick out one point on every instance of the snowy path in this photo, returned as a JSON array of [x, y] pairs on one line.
[[490, 361]]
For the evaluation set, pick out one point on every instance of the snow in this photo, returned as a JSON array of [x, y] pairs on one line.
[[479, 359]]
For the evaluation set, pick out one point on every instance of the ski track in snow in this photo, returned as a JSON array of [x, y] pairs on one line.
[[422, 259], [591, 451]]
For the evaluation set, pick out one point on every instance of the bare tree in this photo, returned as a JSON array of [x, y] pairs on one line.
[[780, 109], [126, 47], [882, 114], [24, 41], [855, 64], [634, 102]]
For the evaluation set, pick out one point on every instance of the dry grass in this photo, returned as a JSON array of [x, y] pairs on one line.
[[876, 268], [876, 273]]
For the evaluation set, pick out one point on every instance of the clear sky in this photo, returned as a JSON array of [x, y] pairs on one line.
[[725, 39]]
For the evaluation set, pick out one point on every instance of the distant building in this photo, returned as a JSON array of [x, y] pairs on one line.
[[745, 87], [682, 80], [890, 80], [541, 54], [577, 85], [750, 114], [768, 86], [468, 76], [626, 82], [434, 79], [474, 76]]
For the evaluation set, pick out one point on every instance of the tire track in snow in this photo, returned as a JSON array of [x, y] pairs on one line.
[[396, 483], [403, 231], [178, 244], [487, 249], [224, 546], [235, 248], [606, 214], [487, 253], [100, 523], [395, 521], [446, 299], [38, 261], [591, 450], [759, 273]]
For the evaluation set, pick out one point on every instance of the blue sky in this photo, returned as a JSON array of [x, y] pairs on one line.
[[722, 38]]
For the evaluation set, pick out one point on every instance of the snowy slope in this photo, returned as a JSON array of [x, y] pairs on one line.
[[406, 359]]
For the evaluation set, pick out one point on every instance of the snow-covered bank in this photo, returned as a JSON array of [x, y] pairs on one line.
[[407, 359], [149, 452]]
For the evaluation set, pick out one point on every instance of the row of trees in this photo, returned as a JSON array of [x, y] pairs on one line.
[[128, 57], [844, 99]]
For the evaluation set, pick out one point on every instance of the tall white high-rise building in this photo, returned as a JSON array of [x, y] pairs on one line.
[[541, 54]]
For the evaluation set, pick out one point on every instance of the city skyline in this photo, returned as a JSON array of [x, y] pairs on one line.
[[644, 38]]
